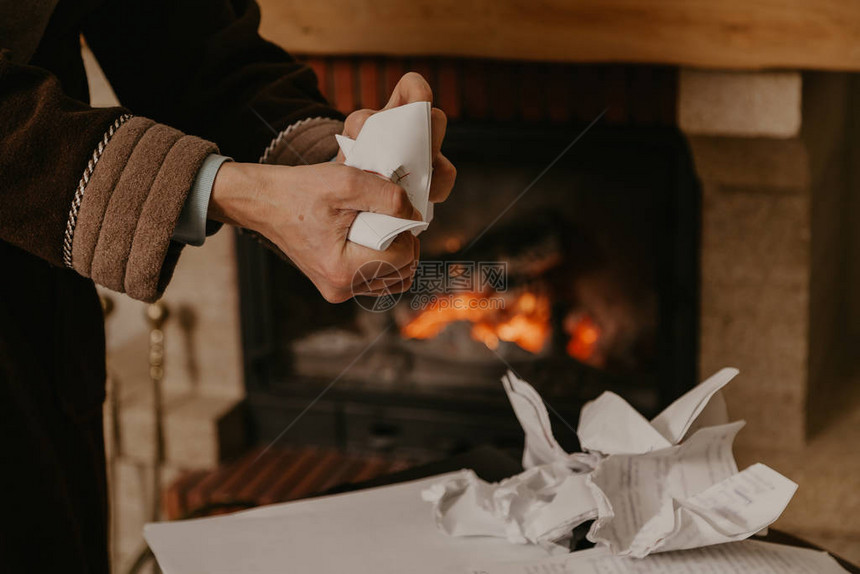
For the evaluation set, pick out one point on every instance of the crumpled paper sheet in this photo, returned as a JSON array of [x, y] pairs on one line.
[[539, 506], [395, 144], [668, 484]]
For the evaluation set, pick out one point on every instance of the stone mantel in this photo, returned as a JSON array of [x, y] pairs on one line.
[[770, 149]]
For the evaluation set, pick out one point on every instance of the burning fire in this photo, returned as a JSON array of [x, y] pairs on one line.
[[584, 334], [525, 321]]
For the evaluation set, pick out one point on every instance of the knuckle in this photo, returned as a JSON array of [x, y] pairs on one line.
[[355, 121], [397, 198], [451, 169], [401, 256], [439, 116]]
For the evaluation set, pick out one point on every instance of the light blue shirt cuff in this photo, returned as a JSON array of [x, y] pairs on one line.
[[191, 227]]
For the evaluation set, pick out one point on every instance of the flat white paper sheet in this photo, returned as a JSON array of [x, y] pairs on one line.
[[395, 144], [377, 531], [748, 557]]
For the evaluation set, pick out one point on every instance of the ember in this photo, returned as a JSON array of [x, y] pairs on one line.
[[584, 334]]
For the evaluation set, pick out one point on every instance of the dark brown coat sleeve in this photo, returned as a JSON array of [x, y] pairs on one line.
[[203, 67], [108, 187]]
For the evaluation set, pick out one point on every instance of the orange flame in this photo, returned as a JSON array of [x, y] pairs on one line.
[[584, 334], [525, 321]]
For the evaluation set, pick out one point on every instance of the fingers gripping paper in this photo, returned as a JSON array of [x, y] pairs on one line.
[[395, 144]]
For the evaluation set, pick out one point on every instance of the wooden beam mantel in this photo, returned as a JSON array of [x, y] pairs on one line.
[[729, 34]]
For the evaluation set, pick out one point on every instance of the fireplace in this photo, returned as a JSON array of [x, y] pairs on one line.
[[567, 252]]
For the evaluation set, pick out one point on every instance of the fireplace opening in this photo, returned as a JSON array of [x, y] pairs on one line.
[[581, 278]]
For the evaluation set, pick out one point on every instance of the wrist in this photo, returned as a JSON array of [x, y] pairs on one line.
[[235, 194]]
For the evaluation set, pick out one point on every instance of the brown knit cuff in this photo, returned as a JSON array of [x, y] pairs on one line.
[[306, 142], [131, 205]]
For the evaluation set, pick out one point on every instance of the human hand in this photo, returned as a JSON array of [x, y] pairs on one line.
[[307, 211]]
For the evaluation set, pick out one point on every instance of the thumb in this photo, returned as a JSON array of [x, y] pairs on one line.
[[412, 87]]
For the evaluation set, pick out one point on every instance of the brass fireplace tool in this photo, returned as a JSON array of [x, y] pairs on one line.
[[156, 314], [112, 387]]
